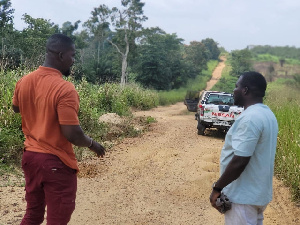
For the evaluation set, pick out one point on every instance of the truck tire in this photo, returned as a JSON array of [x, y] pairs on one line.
[[201, 128]]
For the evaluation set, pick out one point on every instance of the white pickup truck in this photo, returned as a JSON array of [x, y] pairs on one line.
[[216, 110]]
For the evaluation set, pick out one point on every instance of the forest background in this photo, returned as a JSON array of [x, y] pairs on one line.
[[120, 66]]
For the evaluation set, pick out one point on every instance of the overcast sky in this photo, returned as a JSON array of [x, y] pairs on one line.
[[234, 24]]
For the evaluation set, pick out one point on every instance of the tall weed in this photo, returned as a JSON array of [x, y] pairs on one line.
[[285, 103], [11, 137]]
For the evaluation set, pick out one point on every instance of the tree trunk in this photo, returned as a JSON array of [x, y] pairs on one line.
[[124, 61], [124, 72]]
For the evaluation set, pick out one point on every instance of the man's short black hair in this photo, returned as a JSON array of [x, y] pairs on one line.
[[255, 82], [58, 43]]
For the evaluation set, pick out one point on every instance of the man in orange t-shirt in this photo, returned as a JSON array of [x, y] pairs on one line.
[[49, 105]]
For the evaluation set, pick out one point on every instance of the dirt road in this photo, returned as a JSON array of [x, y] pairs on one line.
[[162, 177], [217, 73]]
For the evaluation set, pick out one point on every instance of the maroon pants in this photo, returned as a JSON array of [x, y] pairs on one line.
[[48, 182]]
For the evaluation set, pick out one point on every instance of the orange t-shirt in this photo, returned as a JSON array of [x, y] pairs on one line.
[[47, 101]]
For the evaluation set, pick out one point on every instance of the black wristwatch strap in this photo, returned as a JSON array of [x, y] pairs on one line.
[[216, 188]]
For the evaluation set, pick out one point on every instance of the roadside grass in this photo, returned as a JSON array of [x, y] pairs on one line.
[[95, 100], [11, 136], [284, 100], [227, 82], [197, 84]]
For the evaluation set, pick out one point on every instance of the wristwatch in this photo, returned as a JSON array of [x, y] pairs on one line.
[[216, 188]]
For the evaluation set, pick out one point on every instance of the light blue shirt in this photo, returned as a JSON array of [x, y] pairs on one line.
[[253, 134]]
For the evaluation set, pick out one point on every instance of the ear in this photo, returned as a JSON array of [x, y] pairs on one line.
[[246, 90], [60, 56]]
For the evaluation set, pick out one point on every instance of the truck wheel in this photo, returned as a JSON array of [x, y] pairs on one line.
[[201, 128]]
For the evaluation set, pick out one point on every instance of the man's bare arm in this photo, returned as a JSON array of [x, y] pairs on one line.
[[75, 135], [234, 169]]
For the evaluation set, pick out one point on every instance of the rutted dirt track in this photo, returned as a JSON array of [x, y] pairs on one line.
[[162, 177]]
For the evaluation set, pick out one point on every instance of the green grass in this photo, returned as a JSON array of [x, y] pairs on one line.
[[95, 100], [197, 84], [266, 58], [171, 97], [284, 100], [275, 59], [150, 120], [227, 82]]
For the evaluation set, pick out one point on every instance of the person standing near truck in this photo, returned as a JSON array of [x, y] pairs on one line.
[[247, 157], [49, 105]]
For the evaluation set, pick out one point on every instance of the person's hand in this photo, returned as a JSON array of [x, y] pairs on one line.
[[213, 199], [98, 149]]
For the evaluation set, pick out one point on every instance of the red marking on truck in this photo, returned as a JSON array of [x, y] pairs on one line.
[[223, 114]]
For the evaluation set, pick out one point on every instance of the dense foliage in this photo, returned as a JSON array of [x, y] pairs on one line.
[[240, 62], [112, 46]]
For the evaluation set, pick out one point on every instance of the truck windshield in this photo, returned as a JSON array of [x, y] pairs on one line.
[[220, 99]]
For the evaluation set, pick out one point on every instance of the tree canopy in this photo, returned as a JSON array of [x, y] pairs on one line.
[[240, 62], [112, 46]]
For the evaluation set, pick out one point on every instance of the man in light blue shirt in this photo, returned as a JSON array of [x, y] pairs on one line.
[[247, 157]]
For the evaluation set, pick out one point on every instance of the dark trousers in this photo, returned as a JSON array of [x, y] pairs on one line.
[[49, 182]]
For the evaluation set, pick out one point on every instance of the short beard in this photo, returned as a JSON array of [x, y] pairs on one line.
[[239, 102], [67, 73]]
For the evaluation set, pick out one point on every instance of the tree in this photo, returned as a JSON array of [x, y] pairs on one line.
[[8, 53], [240, 62], [270, 73], [160, 62], [212, 47], [198, 55], [34, 37], [98, 29], [281, 61], [126, 22], [6, 14], [68, 28]]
